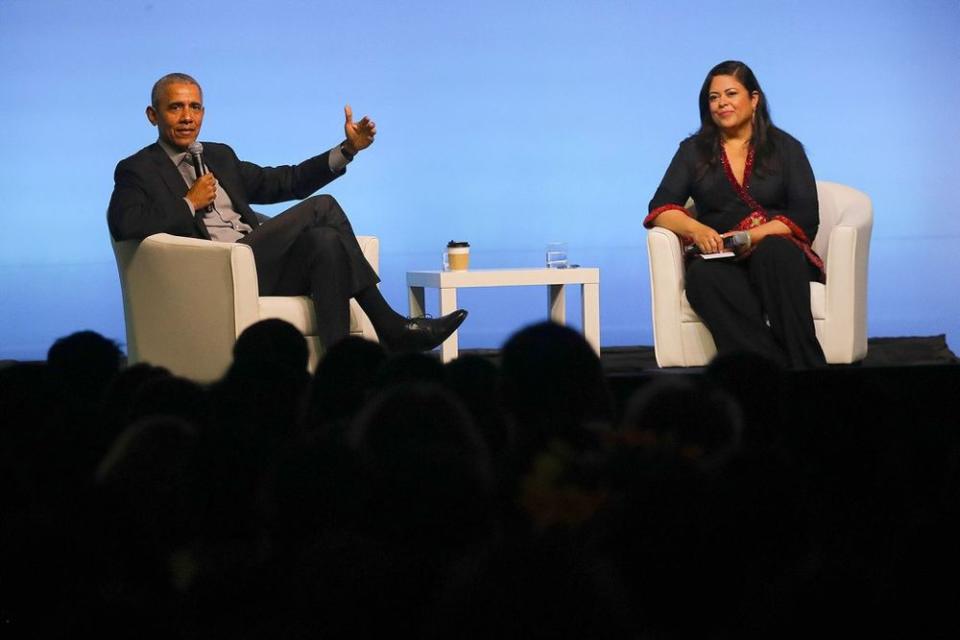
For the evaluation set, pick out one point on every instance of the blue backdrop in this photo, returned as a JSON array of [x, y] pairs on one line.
[[506, 123]]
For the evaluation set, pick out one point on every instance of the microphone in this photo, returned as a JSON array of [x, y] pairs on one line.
[[196, 152], [730, 243]]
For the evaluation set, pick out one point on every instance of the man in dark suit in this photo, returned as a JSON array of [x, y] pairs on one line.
[[308, 249]]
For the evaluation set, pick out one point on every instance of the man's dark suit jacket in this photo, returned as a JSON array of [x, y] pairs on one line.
[[148, 193]]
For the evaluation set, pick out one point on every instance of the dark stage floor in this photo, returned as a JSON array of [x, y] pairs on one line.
[[881, 352], [901, 380]]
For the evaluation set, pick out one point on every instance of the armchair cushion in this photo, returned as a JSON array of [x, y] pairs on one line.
[[186, 300]]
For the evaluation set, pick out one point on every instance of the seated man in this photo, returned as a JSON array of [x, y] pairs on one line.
[[308, 249]]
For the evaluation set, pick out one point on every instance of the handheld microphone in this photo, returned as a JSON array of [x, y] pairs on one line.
[[196, 152], [731, 243]]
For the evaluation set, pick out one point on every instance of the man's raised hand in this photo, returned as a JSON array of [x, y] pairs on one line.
[[359, 134]]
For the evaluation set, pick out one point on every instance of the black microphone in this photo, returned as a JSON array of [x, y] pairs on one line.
[[731, 243], [196, 152]]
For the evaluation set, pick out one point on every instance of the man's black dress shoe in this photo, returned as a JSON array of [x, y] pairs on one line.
[[423, 334]]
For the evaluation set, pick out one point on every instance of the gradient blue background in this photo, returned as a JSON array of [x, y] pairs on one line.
[[509, 124]]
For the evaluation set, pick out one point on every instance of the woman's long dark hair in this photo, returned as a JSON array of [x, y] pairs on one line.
[[707, 138]]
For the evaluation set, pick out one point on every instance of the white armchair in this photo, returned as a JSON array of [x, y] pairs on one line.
[[839, 307], [185, 301]]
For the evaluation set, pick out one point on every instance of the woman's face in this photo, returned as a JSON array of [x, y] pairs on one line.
[[731, 105]]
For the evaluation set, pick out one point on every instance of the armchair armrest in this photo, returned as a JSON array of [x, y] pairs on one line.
[[666, 291], [187, 300], [845, 296]]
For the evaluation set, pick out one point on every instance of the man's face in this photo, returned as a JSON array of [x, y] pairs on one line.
[[178, 114]]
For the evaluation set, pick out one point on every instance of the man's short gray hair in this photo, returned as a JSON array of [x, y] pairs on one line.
[[170, 78]]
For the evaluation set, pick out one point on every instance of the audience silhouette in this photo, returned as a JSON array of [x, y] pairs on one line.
[[394, 494]]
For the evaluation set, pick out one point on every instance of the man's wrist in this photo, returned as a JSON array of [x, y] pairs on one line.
[[348, 150]]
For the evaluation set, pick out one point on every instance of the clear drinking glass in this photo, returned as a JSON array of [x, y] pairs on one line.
[[557, 255]]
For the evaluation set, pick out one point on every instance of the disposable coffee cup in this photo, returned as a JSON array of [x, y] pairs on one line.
[[457, 257]]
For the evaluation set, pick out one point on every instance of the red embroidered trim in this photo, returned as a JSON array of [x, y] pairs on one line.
[[814, 259], [759, 215], [648, 221], [755, 219], [741, 189], [794, 229]]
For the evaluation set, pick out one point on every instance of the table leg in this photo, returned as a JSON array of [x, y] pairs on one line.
[[448, 304], [416, 301], [557, 303], [590, 296]]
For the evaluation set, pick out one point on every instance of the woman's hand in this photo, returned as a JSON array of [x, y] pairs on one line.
[[706, 238], [757, 234], [742, 243]]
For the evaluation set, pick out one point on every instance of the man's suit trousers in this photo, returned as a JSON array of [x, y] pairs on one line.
[[311, 249]]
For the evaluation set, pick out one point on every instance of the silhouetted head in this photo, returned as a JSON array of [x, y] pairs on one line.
[[682, 415], [149, 478], [170, 396], [411, 367], [553, 383], [756, 382], [425, 470], [343, 380], [476, 381], [84, 363], [271, 347], [262, 394]]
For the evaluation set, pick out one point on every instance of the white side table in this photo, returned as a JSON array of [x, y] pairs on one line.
[[555, 280]]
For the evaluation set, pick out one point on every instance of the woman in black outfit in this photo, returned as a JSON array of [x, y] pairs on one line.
[[751, 181]]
